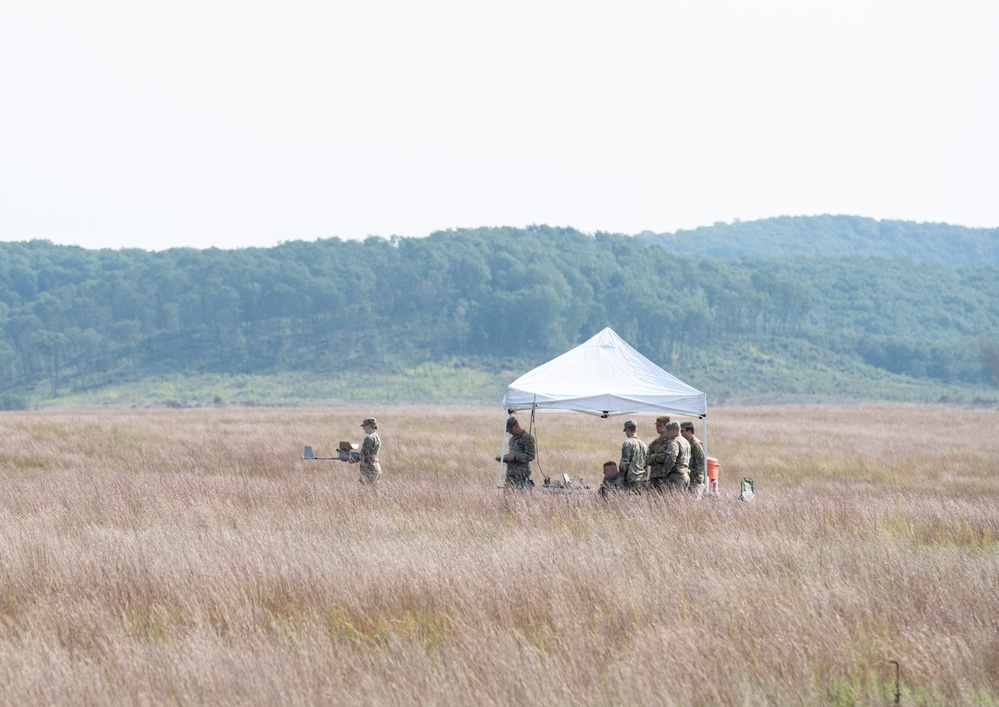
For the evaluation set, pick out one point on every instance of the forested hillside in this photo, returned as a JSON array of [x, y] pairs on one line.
[[489, 303], [837, 236]]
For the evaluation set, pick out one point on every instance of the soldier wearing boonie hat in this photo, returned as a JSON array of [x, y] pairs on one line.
[[370, 467], [634, 456]]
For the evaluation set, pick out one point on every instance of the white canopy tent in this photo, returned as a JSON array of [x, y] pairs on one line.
[[604, 376]]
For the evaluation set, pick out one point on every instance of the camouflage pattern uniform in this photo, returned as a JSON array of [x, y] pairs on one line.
[[657, 461], [678, 463], [518, 473], [609, 486], [634, 456], [370, 467], [697, 468]]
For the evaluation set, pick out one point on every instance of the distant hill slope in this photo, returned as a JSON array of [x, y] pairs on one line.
[[833, 236], [457, 315]]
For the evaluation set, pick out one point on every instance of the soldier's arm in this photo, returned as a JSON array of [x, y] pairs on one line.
[[525, 451], [670, 456]]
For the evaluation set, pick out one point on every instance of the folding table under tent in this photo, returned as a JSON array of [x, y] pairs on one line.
[[604, 376]]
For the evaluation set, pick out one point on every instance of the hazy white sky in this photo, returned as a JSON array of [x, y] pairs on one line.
[[229, 124]]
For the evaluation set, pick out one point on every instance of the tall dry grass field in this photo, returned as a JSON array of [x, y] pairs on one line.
[[193, 557]]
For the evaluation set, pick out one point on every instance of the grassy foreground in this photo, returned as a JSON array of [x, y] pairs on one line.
[[192, 557]]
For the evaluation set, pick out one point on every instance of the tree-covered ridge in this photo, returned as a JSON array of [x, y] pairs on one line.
[[836, 236], [72, 318]]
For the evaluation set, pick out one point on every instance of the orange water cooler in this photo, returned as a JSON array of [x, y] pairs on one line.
[[713, 470]]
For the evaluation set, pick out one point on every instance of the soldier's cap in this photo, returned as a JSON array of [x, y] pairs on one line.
[[673, 426], [511, 423], [369, 421], [630, 424], [687, 426], [662, 419]]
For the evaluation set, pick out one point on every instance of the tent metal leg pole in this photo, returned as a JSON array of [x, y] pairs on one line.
[[704, 431]]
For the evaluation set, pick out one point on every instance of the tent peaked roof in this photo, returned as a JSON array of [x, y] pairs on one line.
[[604, 375]]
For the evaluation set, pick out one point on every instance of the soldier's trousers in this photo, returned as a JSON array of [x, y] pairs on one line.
[[677, 482], [370, 473], [519, 481]]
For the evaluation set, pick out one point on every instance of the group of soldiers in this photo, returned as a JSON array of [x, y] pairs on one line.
[[673, 461]]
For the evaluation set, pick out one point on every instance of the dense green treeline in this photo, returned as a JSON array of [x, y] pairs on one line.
[[73, 319], [916, 320], [837, 236]]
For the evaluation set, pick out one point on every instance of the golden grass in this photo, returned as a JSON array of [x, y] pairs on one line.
[[193, 557]]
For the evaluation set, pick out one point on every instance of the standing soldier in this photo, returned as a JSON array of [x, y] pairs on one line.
[[634, 458], [370, 467], [697, 468], [518, 459], [657, 454], [677, 459]]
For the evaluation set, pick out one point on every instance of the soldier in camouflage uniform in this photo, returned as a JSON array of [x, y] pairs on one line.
[[613, 480], [697, 468], [370, 467], [634, 458], [518, 459], [677, 459], [657, 454]]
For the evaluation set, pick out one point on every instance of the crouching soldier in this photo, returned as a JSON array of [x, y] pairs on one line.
[[613, 480]]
